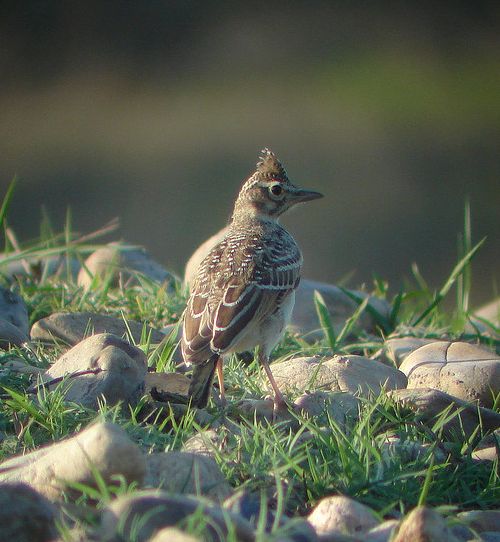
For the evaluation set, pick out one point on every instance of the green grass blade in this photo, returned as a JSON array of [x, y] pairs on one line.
[[351, 321], [457, 271], [6, 201], [324, 319], [380, 319]]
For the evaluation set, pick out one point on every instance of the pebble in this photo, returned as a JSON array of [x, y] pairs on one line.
[[171, 534], [398, 349], [116, 371], [206, 443], [340, 306], [186, 473], [71, 328], [323, 405], [167, 383], [340, 373], [104, 447], [343, 515], [51, 266], [25, 515], [14, 322], [122, 264], [144, 514], [464, 370], [424, 524], [430, 404]]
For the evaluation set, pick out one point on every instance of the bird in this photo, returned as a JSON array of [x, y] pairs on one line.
[[244, 289]]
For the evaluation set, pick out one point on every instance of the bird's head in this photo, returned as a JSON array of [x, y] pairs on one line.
[[268, 192]]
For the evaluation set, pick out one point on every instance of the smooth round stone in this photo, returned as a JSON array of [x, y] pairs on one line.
[[353, 374], [424, 524], [464, 370], [14, 322], [400, 348], [119, 262], [343, 515], [112, 369], [186, 473], [72, 327], [25, 515], [102, 447]]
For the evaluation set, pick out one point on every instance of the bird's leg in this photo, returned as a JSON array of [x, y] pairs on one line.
[[220, 378], [279, 400]]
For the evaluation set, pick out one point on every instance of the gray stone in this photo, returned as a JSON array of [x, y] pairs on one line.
[[100, 366], [398, 349], [10, 335], [171, 534], [393, 449], [424, 525], [14, 322], [19, 365], [490, 312], [382, 532], [340, 306], [58, 266], [121, 263], [167, 383], [71, 328], [25, 515], [464, 370], [206, 443], [186, 473], [340, 373], [322, 405], [481, 520], [430, 405], [103, 447], [339, 514], [145, 513]]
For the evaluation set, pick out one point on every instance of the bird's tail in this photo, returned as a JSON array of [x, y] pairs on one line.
[[201, 382]]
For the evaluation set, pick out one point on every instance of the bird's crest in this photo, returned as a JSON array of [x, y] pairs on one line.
[[269, 166]]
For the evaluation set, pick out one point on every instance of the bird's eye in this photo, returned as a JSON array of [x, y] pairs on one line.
[[276, 190]]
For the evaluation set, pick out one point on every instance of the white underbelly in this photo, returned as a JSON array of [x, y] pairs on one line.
[[268, 332]]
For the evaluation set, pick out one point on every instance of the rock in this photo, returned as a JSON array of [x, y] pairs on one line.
[[481, 520], [486, 454], [186, 473], [145, 513], [322, 405], [339, 373], [19, 365], [71, 328], [259, 409], [398, 349], [490, 312], [203, 443], [248, 505], [464, 370], [430, 404], [406, 451], [157, 412], [167, 383], [424, 525], [103, 447], [14, 322], [10, 335], [199, 254], [25, 515], [171, 534], [343, 515], [51, 266], [119, 263], [298, 530], [382, 532], [340, 305], [111, 368]]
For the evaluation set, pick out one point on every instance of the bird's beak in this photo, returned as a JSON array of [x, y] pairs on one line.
[[299, 195]]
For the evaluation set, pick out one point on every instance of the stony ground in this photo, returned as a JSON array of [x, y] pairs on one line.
[[392, 431]]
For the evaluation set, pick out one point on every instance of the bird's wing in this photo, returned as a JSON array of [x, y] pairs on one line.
[[219, 313]]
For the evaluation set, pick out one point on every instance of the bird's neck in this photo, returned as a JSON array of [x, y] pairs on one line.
[[252, 217]]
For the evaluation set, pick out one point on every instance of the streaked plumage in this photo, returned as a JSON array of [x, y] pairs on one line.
[[244, 290]]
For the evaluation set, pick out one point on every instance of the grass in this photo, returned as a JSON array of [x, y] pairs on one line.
[[290, 467]]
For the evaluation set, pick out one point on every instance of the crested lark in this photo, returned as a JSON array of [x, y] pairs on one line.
[[244, 290]]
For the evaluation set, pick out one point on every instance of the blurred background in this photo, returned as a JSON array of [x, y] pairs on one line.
[[155, 111]]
